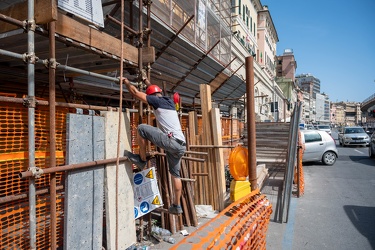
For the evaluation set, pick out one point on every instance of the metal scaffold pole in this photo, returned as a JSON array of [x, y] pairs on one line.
[[31, 118]]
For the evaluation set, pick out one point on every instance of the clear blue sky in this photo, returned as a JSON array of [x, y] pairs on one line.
[[334, 40]]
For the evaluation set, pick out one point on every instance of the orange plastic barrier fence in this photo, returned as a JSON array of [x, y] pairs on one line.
[[242, 225], [14, 215]]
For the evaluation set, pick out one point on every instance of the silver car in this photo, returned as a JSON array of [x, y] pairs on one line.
[[326, 128], [354, 136], [371, 148], [319, 146]]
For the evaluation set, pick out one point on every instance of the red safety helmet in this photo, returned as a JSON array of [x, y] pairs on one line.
[[152, 89]]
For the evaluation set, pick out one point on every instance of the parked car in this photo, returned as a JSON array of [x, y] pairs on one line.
[[353, 136], [371, 148], [326, 128], [304, 126], [369, 130], [319, 146]]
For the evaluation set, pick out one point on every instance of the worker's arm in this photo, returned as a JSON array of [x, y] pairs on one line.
[[134, 91]]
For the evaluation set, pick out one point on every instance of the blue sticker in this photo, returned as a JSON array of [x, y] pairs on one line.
[[135, 212], [144, 207], [138, 179]]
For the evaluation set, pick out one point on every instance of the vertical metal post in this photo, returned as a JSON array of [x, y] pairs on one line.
[[31, 119], [52, 129], [119, 121], [231, 129], [251, 132], [140, 54]]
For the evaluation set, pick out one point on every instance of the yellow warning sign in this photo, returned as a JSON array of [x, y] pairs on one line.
[[156, 201], [150, 174]]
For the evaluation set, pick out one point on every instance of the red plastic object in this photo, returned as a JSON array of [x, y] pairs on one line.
[[152, 89]]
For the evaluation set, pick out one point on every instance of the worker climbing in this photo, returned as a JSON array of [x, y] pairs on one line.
[[167, 135]]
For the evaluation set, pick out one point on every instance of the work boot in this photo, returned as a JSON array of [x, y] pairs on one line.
[[136, 160], [175, 209]]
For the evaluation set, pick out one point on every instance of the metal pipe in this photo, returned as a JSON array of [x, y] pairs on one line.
[[11, 54], [17, 197], [52, 131], [64, 105], [11, 20], [194, 67], [31, 119], [211, 146], [231, 129], [222, 84], [251, 131], [186, 158], [29, 173], [119, 122], [292, 156], [123, 27], [196, 153], [131, 21], [162, 50], [42, 31], [65, 67]]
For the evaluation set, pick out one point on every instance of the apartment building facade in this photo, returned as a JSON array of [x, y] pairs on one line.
[[346, 113]]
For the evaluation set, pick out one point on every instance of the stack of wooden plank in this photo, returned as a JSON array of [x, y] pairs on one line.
[[210, 186]]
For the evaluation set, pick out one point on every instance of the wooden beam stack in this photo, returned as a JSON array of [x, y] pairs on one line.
[[209, 189]]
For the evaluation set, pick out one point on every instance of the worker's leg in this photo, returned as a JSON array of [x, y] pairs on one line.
[[142, 142], [145, 133], [177, 190], [174, 163]]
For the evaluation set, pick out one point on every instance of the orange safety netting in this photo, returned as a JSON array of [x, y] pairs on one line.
[[242, 225], [14, 205]]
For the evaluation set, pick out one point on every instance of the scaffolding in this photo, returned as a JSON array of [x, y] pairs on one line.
[[80, 67]]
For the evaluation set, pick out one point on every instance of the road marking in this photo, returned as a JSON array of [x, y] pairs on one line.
[[289, 231], [359, 151]]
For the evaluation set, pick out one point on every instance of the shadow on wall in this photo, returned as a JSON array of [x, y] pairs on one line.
[[363, 218]]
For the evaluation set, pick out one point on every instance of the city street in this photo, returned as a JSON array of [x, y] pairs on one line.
[[337, 210]]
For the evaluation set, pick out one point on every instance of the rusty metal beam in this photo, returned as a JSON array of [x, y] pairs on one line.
[[114, 20], [52, 130], [251, 131], [194, 67], [227, 99], [221, 71], [229, 78], [16, 197], [173, 38], [63, 104], [11, 20], [56, 169]]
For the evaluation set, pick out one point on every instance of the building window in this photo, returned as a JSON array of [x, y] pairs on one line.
[[254, 29]]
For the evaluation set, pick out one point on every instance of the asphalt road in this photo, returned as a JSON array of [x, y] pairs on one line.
[[337, 210]]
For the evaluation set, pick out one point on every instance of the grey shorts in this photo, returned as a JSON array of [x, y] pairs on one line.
[[173, 150]]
